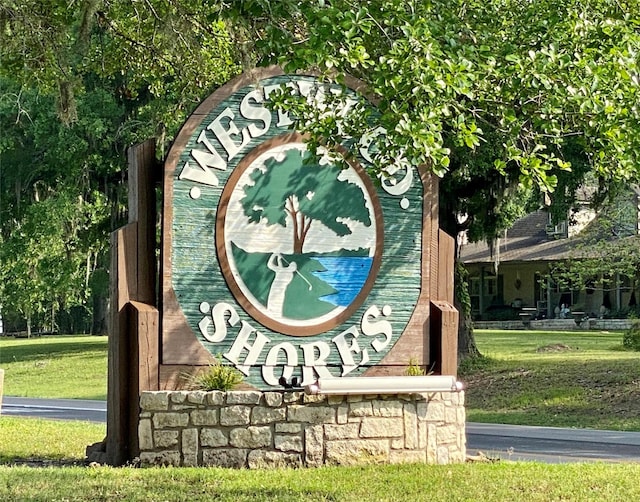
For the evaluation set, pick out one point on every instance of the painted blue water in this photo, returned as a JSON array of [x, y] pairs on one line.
[[346, 274]]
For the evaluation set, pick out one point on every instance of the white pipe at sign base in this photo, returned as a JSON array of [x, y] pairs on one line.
[[384, 385]]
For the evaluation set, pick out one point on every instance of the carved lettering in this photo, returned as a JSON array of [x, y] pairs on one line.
[[227, 133], [271, 363], [241, 344], [347, 347], [250, 344], [251, 112], [370, 328], [315, 364]]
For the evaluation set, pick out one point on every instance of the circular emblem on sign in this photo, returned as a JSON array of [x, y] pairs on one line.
[[299, 239]]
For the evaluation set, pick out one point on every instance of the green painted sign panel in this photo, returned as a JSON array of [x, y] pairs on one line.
[[283, 263]]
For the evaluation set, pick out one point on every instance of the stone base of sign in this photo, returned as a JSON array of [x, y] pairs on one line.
[[290, 429]]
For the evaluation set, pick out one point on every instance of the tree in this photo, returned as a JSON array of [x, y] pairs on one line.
[[54, 186], [80, 81], [495, 96], [158, 57], [45, 266], [305, 191]]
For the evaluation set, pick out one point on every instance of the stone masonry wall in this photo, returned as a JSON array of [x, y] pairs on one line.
[[277, 429]]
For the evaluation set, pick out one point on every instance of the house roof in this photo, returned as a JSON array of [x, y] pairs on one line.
[[526, 240]]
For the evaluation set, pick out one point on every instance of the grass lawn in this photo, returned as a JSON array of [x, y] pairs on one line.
[[37, 457], [73, 367], [530, 377], [466, 482], [38, 442], [564, 379]]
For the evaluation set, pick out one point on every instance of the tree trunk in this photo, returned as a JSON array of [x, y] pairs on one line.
[[300, 229], [298, 226], [462, 302], [466, 341], [99, 315]]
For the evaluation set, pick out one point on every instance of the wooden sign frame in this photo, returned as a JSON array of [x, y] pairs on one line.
[[152, 343]]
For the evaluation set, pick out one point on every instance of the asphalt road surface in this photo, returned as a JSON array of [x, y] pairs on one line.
[[492, 441], [552, 444], [60, 409]]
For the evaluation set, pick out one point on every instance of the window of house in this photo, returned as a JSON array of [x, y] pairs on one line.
[[490, 286], [474, 286]]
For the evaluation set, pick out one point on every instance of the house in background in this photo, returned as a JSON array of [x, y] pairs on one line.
[[516, 273]]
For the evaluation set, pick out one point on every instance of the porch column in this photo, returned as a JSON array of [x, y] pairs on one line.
[[549, 307]]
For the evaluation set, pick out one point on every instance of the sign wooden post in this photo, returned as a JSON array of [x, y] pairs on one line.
[[134, 318]]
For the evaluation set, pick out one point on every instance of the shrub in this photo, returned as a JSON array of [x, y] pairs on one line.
[[414, 369], [501, 313], [217, 376], [631, 338], [631, 312]]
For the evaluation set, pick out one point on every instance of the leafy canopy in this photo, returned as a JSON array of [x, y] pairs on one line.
[[523, 77], [80, 80]]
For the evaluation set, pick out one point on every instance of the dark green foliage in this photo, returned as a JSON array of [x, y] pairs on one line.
[[496, 96], [631, 337], [79, 83], [59, 201], [216, 377]]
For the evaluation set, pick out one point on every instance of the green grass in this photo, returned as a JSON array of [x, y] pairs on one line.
[[72, 367], [563, 379], [43, 441], [566, 379], [466, 482], [36, 455]]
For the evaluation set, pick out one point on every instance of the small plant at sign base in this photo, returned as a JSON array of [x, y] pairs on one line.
[[414, 369], [216, 377], [631, 337]]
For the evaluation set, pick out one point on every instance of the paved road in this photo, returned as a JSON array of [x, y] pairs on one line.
[[552, 444], [508, 442], [61, 409]]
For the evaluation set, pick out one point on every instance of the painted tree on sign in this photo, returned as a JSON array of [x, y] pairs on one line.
[[304, 191]]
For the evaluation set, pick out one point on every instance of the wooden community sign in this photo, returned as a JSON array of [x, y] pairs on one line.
[[289, 266], [295, 266]]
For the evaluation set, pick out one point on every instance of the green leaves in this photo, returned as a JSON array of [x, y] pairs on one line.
[[43, 259], [494, 96], [80, 82], [54, 202], [534, 73]]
